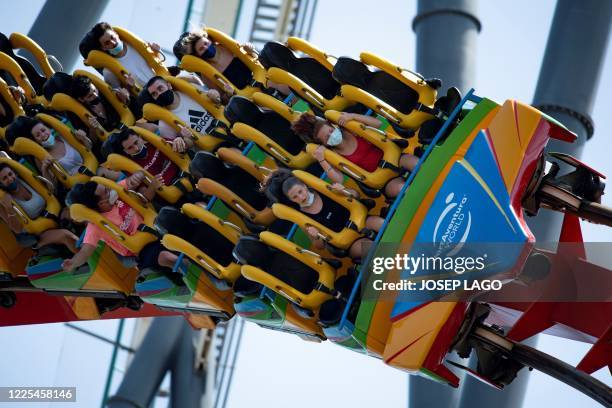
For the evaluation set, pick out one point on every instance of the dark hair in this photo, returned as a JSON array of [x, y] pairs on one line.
[[59, 82], [115, 140], [21, 126], [144, 96], [307, 126], [186, 40], [80, 87], [83, 193], [272, 186], [249, 250], [91, 40], [206, 164]]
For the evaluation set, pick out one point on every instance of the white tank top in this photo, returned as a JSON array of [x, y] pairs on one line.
[[72, 160], [34, 206]]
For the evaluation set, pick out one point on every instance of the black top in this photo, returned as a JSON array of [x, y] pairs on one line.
[[238, 73], [332, 215], [293, 272]]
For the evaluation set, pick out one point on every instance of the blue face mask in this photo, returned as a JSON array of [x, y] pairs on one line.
[[142, 153], [210, 52], [13, 186], [335, 138], [50, 140], [117, 50]]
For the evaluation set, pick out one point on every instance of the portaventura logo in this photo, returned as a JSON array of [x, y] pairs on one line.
[[456, 221]]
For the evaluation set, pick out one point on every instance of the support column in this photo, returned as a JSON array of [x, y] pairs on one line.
[[61, 24], [446, 34]]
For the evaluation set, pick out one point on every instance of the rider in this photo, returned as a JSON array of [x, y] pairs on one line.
[[313, 129], [33, 204]]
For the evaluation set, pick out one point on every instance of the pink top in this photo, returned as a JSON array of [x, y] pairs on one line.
[[124, 217]]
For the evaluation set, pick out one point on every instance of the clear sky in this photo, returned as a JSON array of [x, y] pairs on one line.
[[275, 369]]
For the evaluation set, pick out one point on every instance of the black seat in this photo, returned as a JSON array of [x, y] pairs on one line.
[[251, 251], [244, 185], [172, 221], [37, 80], [276, 55], [60, 82], [348, 71], [268, 122]]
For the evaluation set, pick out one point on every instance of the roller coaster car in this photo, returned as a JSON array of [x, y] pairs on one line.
[[170, 193], [258, 80], [388, 167], [269, 128], [48, 219], [302, 276], [63, 102], [206, 139], [10, 105], [11, 71], [356, 211], [403, 97], [235, 180], [207, 242], [20, 41], [27, 147], [310, 76]]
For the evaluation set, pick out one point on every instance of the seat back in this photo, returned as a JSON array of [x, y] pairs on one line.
[[22, 41], [287, 269], [33, 77], [208, 240], [13, 72]]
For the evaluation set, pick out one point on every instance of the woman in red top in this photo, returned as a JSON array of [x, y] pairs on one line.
[[355, 149]]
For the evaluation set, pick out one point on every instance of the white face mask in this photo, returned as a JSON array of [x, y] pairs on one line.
[[113, 196], [309, 201], [335, 138], [50, 140]]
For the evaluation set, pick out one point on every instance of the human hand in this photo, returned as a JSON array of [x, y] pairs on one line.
[[337, 188], [68, 265], [129, 79], [214, 96], [312, 232], [178, 145], [154, 46], [157, 182], [94, 123], [249, 48], [123, 95], [319, 153], [184, 131], [345, 117]]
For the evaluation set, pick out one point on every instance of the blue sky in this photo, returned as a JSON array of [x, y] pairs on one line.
[[274, 369]]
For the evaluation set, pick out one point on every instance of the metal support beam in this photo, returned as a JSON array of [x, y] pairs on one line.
[[61, 24], [446, 32]]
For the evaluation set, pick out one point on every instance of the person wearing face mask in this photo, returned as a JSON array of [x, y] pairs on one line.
[[102, 37], [281, 186], [128, 143], [33, 204], [59, 150], [160, 92], [83, 90], [106, 201], [357, 150], [200, 45]]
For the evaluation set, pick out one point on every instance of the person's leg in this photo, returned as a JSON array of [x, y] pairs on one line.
[[59, 236], [393, 187], [374, 222], [408, 161]]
